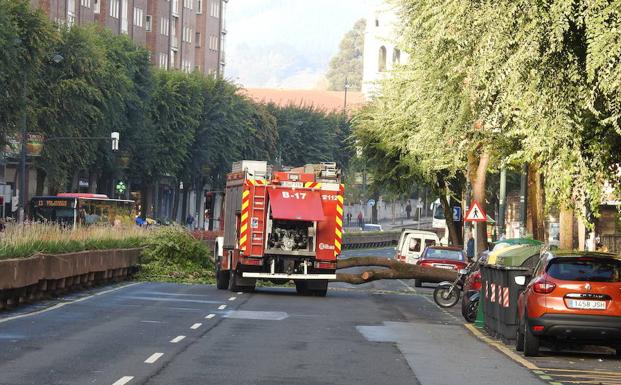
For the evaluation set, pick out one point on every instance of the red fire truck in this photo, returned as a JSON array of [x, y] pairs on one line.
[[281, 226]]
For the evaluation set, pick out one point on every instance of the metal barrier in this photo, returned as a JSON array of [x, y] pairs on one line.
[[499, 301]]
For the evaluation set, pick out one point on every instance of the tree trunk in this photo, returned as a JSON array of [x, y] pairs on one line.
[[41, 175], [92, 182], [391, 269], [477, 173], [175, 213], [566, 219], [453, 236], [535, 203]]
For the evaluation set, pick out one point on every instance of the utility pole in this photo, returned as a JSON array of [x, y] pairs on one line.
[[523, 182], [23, 194], [345, 101], [503, 201]]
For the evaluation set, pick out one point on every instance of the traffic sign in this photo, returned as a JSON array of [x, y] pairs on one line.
[[456, 213], [476, 213], [371, 202], [120, 187]]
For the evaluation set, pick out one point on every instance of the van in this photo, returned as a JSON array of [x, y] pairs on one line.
[[412, 243]]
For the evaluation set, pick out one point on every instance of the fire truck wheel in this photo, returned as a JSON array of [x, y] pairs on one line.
[[234, 286], [301, 288], [222, 278], [317, 288]]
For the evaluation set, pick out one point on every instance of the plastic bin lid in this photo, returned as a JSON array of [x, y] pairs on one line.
[[515, 255]]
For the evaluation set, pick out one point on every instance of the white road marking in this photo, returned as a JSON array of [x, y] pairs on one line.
[[196, 326], [232, 298], [123, 380], [240, 292], [221, 307], [176, 339], [210, 316], [154, 357], [58, 306], [152, 322]]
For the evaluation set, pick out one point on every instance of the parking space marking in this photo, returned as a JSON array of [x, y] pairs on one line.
[[232, 298], [210, 316], [196, 326], [221, 307], [154, 357], [177, 339], [123, 380]]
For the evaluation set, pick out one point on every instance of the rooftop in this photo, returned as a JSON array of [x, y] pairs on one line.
[[325, 100]]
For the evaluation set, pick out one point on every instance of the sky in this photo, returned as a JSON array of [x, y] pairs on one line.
[[286, 43]]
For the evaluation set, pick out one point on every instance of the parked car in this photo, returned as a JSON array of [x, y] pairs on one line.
[[573, 297], [443, 257], [412, 243]]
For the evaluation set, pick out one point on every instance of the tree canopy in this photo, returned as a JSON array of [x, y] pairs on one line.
[[346, 66]]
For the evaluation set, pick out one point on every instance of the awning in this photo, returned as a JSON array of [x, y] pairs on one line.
[[297, 205]]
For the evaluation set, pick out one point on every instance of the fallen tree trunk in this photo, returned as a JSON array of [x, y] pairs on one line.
[[391, 269]]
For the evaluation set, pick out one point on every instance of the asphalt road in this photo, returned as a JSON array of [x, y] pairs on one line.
[[157, 333]]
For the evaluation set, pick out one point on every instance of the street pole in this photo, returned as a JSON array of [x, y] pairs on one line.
[[23, 194], [523, 199], [345, 101], [503, 201]]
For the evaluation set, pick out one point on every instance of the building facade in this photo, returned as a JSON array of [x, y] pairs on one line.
[[381, 49], [185, 35]]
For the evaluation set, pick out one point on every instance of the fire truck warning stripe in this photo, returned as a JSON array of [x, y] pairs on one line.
[[337, 244], [244, 216], [245, 193], [242, 240], [339, 209], [338, 233], [339, 221], [244, 227]]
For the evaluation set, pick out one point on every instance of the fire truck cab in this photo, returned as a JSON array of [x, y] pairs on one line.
[[281, 226]]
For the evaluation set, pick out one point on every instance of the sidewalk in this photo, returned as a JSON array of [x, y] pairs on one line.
[[448, 354]]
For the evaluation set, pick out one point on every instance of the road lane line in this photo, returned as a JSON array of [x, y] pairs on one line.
[[58, 306], [176, 339], [154, 357], [509, 353], [210, 316], [410, 288], [240, 292], [232, 298], [221, 307], [196, 326], [123, 380]]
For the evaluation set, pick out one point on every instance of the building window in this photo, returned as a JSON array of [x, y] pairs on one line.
[[186, 66], [187, 34], [124, 16], [163, 61], [164, 26], [148, 23], [86, 3], [381, 67], [96, 6], [199, 6], [214, 10], [70, 12], [197, 39], [114, 8], [396, 56], [138, 17], [188, 4], [213, 42]]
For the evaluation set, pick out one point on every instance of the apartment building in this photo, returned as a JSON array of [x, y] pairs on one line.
[[184, 35]]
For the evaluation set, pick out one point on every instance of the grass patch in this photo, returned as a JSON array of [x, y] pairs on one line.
[[173, 255], [22, 241]]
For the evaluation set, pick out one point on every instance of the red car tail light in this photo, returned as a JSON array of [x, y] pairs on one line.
[[543, 287], [537, 328]]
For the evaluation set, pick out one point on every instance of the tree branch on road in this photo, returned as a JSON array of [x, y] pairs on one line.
[[391, 269]]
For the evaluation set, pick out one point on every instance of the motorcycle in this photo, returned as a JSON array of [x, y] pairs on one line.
[[470, 305], [447, 294]]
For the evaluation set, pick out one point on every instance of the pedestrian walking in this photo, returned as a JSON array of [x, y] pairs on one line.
[[408, 210], [360, 220], [189, 221], [470, 246], [348, 219]]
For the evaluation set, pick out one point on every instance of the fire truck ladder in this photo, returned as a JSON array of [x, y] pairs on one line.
[[259, 203]]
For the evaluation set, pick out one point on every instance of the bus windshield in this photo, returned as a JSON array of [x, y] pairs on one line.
[[80, 210]]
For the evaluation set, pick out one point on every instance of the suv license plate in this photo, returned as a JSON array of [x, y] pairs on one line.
[[586, 304]]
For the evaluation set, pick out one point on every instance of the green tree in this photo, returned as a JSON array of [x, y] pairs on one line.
[[346, 66]]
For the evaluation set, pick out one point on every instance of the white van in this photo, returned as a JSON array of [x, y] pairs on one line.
[[412, 243]]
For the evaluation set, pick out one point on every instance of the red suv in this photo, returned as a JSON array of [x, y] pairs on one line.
[[573, 297], [443, 257]]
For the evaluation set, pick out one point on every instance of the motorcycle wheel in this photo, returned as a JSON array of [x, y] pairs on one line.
[[442, 297], [470, 311]]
